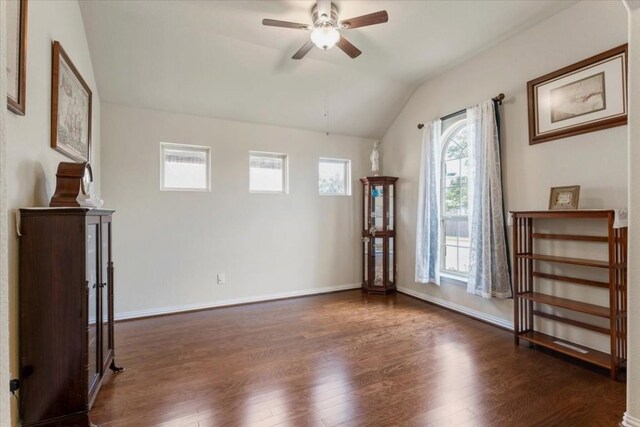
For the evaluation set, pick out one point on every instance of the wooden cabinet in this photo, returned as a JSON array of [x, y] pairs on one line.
[[379, 234], [66, 313], [530, 304]]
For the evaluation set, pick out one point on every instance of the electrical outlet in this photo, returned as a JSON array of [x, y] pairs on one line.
[[221, 278]]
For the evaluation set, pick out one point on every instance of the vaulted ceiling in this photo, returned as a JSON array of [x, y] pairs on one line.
[[214, 58]]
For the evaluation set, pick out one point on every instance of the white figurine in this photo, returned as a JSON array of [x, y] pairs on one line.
[[375, 159]]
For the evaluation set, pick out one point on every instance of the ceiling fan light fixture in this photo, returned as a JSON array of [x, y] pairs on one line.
[[325, 37]]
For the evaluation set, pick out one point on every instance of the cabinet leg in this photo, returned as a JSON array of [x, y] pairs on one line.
[[115, 368]]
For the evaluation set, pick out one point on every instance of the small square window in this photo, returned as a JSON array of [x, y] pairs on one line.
[[268, 173], [334, 177], [185, 167]]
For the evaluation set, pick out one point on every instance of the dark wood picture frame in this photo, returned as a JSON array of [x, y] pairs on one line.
[[18, 106], [58, 55], [589, 126]]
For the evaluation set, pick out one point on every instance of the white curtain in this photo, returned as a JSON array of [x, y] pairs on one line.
[[428, 226], [489, 268]]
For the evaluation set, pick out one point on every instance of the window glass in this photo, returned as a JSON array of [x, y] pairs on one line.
[[334, 176], [184, 167], [267, 172], [455, 199]]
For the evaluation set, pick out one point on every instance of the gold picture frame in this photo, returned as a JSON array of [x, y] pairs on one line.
[[564, 198]]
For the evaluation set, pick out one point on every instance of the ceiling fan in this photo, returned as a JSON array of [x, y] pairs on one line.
[[325, 30]]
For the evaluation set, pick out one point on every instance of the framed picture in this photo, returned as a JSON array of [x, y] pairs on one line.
[[584, 97], [564, 198], [16, 55], [70, 108]]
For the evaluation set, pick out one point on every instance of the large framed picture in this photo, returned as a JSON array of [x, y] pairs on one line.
[[70, 108], [584, 97], [16, 55]]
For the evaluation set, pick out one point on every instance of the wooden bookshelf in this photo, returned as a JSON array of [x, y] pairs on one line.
[[530, 303]]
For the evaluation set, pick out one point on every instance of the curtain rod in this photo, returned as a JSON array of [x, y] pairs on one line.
[[497, 99]]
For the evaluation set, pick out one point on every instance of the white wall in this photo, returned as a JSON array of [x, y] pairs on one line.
[[31, 163], [597, 161], [632, 416], [169, 246], [5, 354]]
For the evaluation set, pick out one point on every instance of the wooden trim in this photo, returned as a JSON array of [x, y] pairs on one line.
[[593, 356], [605, 331], [568, 279], [59, 52], [573, 214], [574, 237], [19, 106], [565, 260], [582, 307], [587, 127]]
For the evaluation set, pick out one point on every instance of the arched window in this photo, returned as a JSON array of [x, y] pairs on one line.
[[454, 206]]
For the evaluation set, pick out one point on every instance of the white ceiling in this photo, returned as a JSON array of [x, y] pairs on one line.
[[214, 58]]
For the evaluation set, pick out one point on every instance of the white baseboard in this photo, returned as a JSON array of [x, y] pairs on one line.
[[231, 301], [459, 308], [629, 421]]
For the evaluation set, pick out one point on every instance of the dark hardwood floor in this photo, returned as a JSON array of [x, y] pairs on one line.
[[344, 359]]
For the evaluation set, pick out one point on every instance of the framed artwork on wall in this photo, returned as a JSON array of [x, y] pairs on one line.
[[70, 108], [564, 198], [16, 55], [584, 97]]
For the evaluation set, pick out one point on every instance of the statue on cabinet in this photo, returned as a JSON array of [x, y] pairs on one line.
[[375, 159]]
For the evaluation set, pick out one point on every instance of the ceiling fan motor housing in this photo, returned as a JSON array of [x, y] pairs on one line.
[[323, 20]]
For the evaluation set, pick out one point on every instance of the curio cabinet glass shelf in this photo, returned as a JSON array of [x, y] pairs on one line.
[[379, 234]]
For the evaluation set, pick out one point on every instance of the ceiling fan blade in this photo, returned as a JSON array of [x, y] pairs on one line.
[[348, 48], [364, 20], [324, 8], [285, 24], [303, 50]]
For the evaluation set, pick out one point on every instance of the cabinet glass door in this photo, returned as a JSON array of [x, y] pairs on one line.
[[378, 261], [391, 207], [377, 207], [105, 292], [365, 220], [391, 267], [365, 245], [93, 260]]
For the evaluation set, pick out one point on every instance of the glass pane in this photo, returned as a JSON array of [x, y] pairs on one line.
[[391, 267], [106, 237], [451, 232], [463, 260], [92, 318], [333, 176], [377, 197], [463, 232], [391, 210], [365, 220], [378, 262], [366, 261], [185, 168], [267, 173], [451, 258]]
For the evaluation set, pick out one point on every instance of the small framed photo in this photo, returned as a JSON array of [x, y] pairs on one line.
[[16, 55], [584, 97], [564, 198], [70, 108]]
